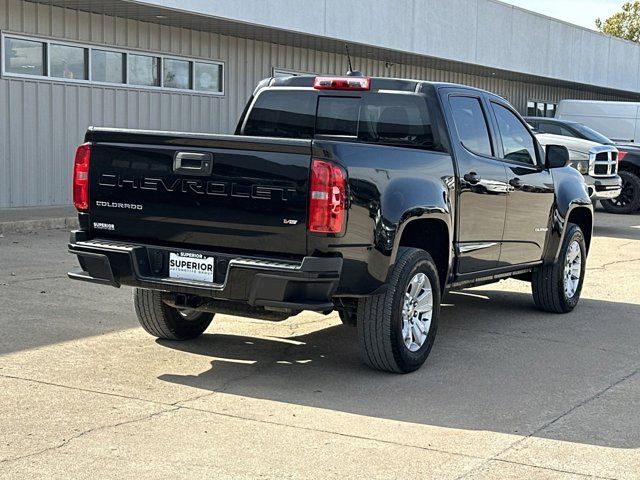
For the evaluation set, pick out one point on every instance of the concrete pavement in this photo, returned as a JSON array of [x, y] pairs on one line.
[[508, 392]]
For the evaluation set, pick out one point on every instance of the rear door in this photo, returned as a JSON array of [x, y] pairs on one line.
[[482, 188]]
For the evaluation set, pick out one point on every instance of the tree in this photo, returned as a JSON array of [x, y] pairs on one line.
[[624, 24]]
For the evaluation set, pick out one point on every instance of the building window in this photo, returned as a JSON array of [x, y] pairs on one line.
[[208, 77], [68, 62], [64, 61], [541, 109], [143, 70], [108, 67], [177, 73], [24, 57]]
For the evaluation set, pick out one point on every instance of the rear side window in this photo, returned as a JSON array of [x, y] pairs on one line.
[[471, 124], [517, 142], [289, 114]]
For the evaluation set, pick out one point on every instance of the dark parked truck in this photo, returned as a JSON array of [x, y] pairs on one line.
[[369, 196]]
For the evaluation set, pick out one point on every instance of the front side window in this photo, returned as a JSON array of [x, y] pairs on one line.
[[143, 70], [177, 73], [68, 62], [471, 124], [107, 66], [24, 57], [517, 142]]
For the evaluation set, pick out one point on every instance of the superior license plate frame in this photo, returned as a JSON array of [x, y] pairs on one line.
[[192, 266]]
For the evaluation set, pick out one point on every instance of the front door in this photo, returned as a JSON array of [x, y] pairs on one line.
[[482, 189], [531, 192]]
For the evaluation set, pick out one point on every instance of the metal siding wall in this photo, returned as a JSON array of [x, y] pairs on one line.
[[41, 122]]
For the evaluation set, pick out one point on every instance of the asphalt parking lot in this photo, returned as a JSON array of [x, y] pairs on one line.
[[508, 392]]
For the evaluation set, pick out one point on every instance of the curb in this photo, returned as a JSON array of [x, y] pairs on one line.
[[31, 226]]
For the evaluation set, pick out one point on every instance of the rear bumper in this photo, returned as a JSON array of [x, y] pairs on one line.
[[298, 285], [604, 188]]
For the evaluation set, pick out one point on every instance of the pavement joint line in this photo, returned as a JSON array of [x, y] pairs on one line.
[[540, 467], [553, 421], [67, 441]]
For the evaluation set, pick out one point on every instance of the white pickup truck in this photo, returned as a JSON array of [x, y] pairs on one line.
[[597, 163]]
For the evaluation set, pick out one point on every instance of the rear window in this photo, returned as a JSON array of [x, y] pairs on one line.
[[289, 114], [382, 118]]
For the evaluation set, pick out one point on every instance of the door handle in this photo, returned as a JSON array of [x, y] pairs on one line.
[[193, 163], [515, 182], [472, 178]]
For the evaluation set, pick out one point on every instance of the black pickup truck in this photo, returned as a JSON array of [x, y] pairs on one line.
[[369, 196]]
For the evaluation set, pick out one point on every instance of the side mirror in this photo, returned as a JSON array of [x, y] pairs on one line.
[[556, 156]]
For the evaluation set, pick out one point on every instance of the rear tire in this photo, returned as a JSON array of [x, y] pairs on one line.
[[557, 287], [163, 321], [629, 199], [396, 330]]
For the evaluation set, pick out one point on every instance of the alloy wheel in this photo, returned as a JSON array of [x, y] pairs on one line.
[[417, 310]]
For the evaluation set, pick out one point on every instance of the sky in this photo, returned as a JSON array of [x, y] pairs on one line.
[[580, 12]]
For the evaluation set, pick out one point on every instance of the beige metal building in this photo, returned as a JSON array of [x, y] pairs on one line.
[[191, 65]]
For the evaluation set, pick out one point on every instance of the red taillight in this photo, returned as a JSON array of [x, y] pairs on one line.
[[327, 198], [621, 155], [81, 177], [342, 83]]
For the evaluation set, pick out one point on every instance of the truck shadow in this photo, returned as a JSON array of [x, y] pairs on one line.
[[498, 364]]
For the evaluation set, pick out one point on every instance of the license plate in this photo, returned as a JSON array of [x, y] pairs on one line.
[[191, 266]]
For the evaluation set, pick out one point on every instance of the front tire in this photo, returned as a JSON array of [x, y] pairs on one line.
[[396, 330], [164, 321], [557, 287], [629, 199]]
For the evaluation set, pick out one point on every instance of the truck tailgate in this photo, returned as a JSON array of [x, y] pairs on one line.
[[201, 191]]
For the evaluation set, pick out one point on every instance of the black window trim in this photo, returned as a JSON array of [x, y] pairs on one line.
[[539, 164], [492, 143]]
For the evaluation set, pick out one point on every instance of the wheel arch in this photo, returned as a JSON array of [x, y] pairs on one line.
[[432, 234], [583, 217], [578, 212]]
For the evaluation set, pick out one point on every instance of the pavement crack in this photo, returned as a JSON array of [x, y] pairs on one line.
[[67, 441], [608, 264]]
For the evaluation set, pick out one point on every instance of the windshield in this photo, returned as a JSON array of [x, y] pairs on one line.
[[591, 134]]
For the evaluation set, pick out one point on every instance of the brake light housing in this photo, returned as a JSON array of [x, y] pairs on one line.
[[81, 177], [342, 83], [327, 198]]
